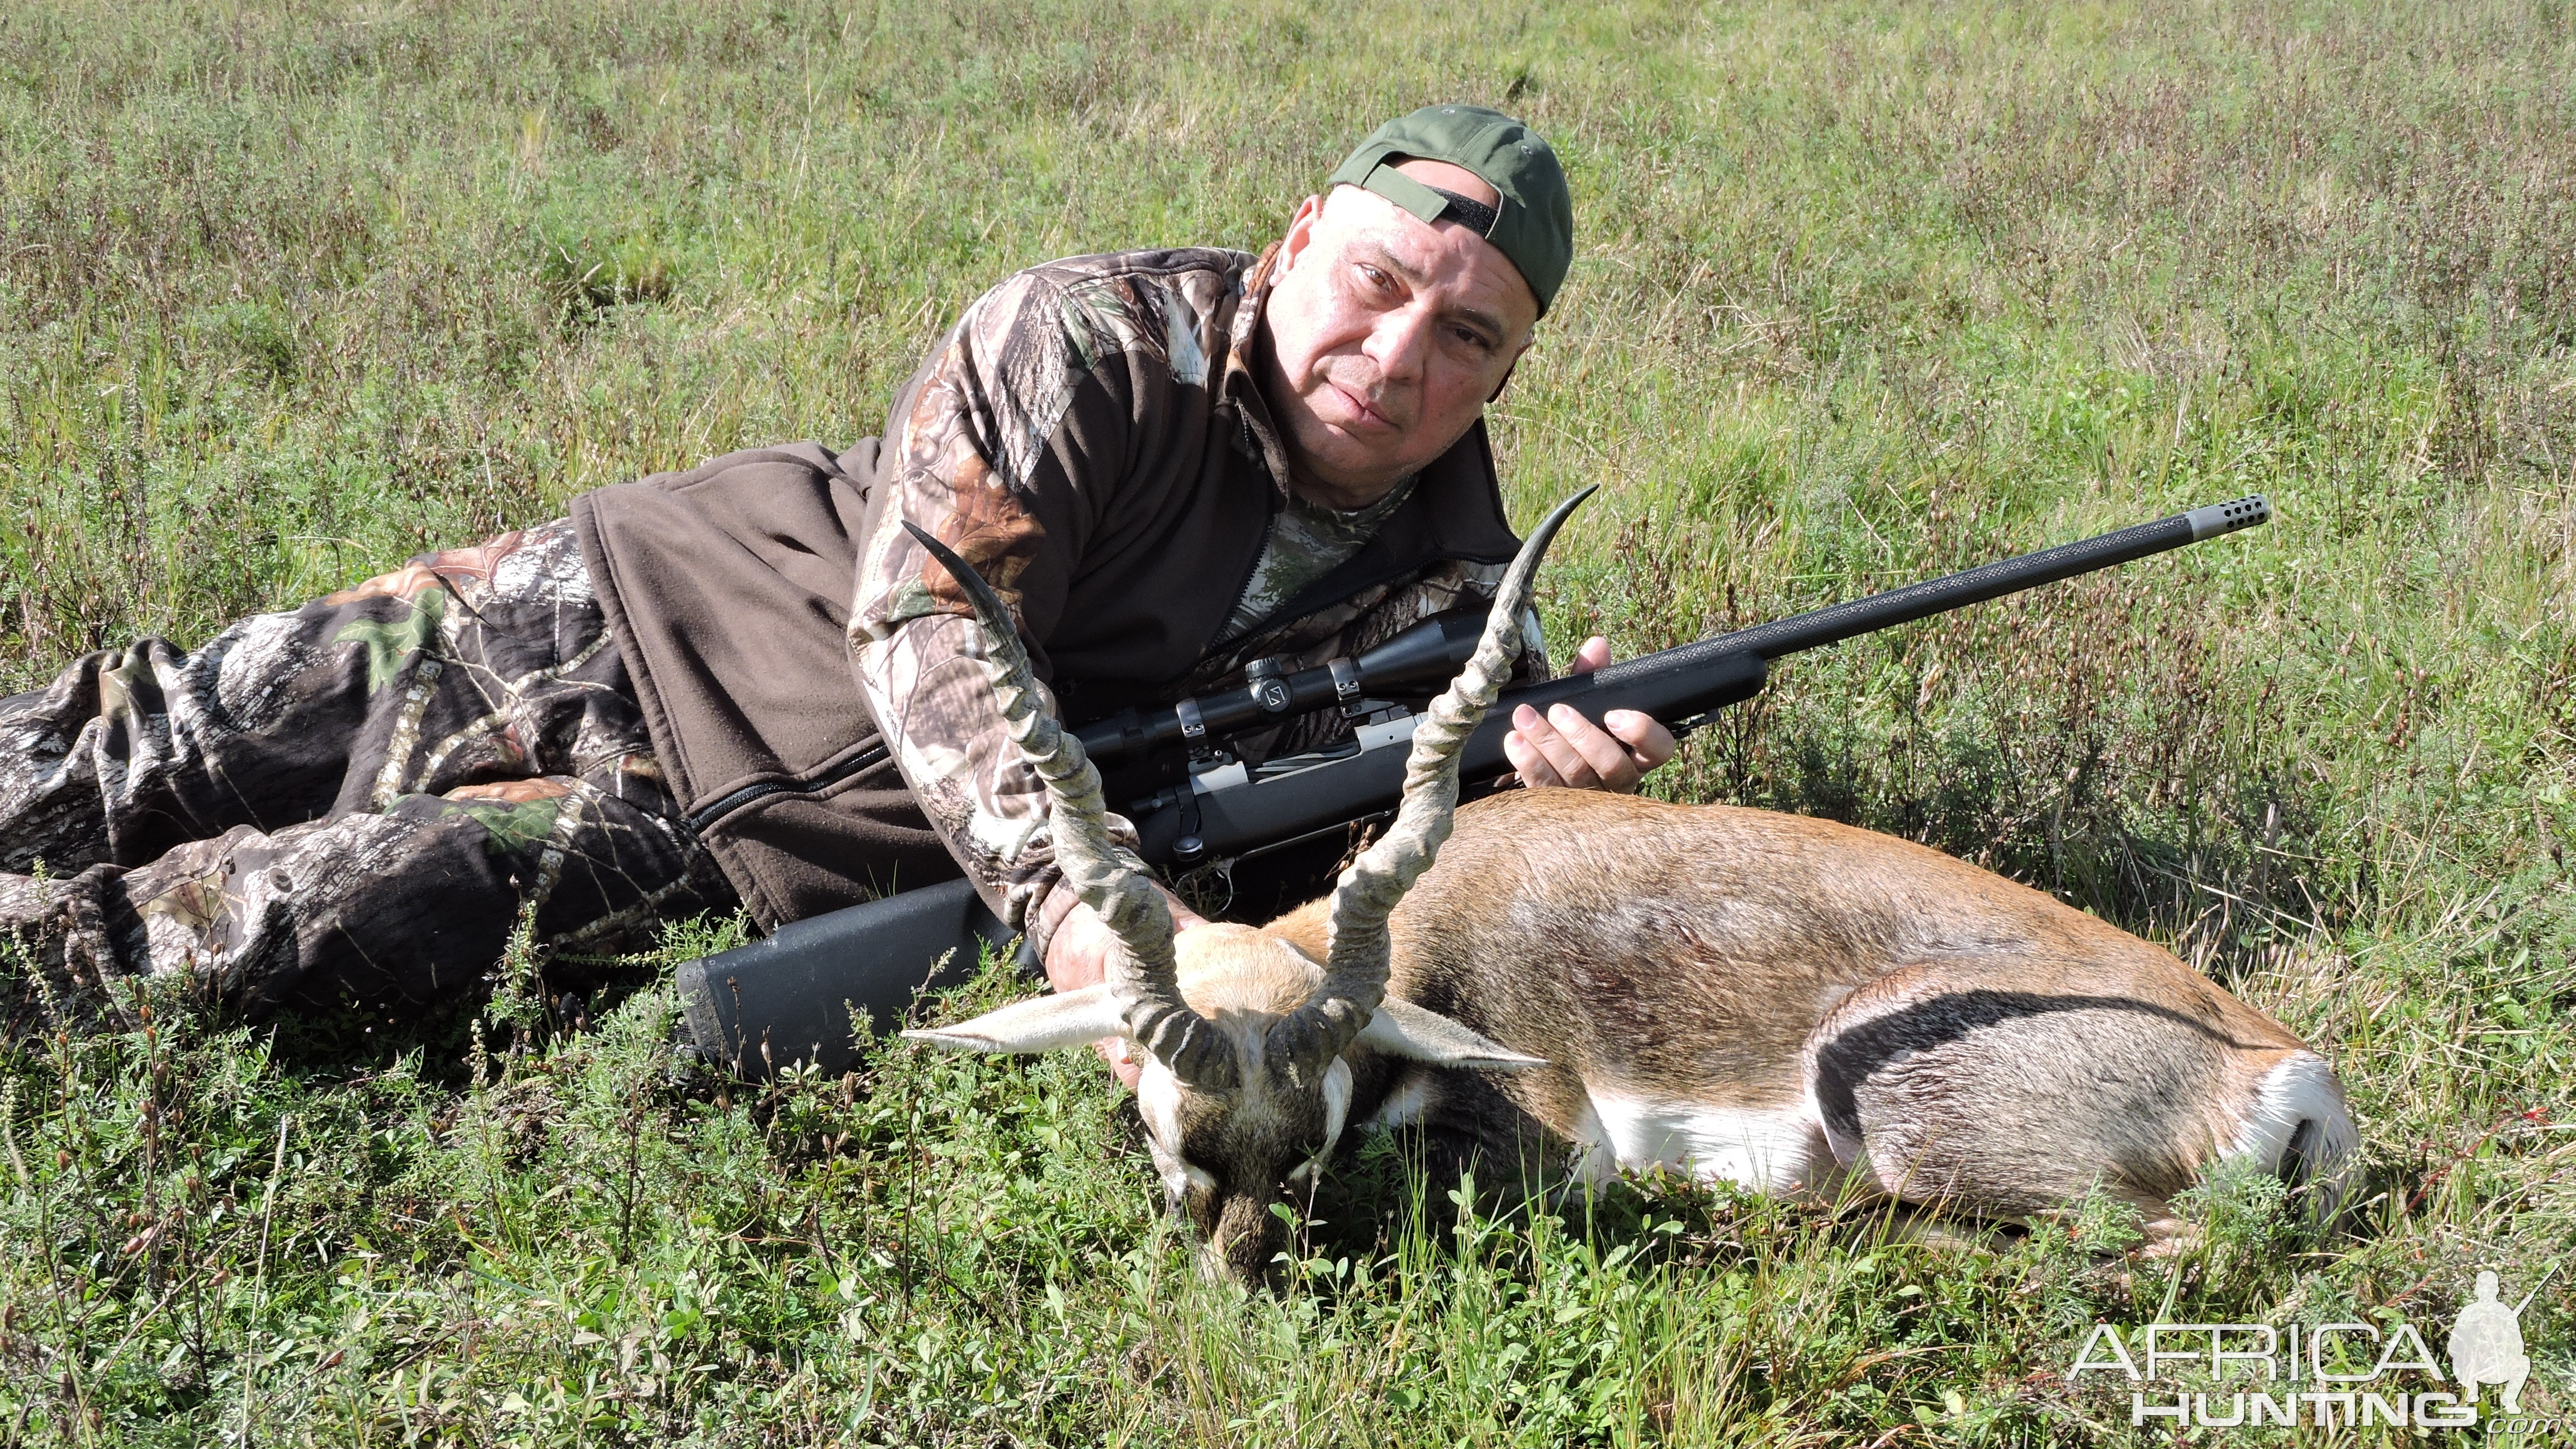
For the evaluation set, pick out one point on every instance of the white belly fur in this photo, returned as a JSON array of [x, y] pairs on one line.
[[1403, 1106], [1769, 1149], [2301, 1089]]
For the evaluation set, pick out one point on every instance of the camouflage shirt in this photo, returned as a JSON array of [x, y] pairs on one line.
[[1090, 436], [1307, 541]]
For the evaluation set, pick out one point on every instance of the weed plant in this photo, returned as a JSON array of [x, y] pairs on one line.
[[1864, 292]]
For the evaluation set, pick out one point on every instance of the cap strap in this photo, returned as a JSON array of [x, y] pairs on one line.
[[1468, 212], [1430, 203]]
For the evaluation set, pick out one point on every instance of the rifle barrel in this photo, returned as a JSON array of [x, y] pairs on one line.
[[1837, 622], [788, 998]]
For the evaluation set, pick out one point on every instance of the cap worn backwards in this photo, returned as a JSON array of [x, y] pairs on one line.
[[1532, 223]]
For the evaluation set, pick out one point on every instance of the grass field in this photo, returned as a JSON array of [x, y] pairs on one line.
[[1864, 291]]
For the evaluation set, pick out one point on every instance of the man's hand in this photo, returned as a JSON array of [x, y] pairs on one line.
[[1078, 956], [1564, 748]]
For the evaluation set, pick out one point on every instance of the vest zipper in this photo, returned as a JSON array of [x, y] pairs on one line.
[[1225, 636], [707, 815]]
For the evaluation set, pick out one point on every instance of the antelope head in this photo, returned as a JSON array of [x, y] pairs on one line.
[[1244, 1088]]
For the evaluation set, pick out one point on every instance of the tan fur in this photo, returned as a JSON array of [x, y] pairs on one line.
[[1237, 971], [1995, 1048], [1787, 1003]]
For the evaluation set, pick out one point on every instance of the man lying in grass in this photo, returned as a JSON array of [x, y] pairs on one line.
[[743, 683]]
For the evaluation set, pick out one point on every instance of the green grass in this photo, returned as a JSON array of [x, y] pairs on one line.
[[1864, 292]]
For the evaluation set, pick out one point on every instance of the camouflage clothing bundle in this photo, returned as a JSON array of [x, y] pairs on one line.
[[357, 798]]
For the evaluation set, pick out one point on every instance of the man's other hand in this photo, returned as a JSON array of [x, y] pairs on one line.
[[1078, 956], [1564, 748]]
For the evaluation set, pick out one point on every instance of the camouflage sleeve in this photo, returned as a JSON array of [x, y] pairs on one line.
[[1011, 394]]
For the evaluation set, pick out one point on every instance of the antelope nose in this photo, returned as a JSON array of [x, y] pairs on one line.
[[1244, 1242], [1246, 1260]]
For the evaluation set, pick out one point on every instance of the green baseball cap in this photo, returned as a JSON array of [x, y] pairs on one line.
[[1533, 225]]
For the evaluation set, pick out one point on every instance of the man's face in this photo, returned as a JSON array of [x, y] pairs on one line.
[[1387, 334]]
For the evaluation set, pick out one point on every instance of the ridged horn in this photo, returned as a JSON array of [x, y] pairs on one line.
[[1142, 973], [1356, 957]]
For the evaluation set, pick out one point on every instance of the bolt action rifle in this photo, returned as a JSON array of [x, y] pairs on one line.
[[796, 996]]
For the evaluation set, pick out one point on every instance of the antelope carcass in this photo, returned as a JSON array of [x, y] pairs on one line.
[[1594, 984]]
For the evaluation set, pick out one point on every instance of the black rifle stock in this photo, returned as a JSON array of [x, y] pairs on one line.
[[790, 997]]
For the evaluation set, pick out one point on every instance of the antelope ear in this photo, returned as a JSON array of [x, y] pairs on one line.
[[1039, 1024], [1401, 1029], [1337, 1114]]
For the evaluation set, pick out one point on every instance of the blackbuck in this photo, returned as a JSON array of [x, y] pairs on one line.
[[1591, 984]]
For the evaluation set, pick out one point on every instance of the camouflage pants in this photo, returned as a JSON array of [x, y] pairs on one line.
[[355, 800]]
